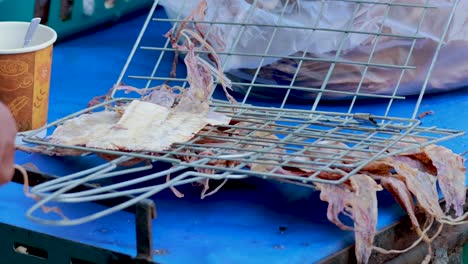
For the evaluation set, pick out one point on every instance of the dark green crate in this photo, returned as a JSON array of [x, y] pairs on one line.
[[465, 253]]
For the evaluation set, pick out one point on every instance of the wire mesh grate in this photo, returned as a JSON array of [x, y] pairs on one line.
[[302, 114], [306, 76], [294, 130], [318, 144]]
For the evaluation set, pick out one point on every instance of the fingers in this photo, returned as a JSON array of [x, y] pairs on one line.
[[7, 144]]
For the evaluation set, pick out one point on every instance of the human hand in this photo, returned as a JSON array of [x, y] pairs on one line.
[[7, 144]]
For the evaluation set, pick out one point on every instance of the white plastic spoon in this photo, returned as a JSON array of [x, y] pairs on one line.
[[31, 30]]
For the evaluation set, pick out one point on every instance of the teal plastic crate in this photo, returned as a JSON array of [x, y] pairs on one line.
[[65, 23], [20, 10]]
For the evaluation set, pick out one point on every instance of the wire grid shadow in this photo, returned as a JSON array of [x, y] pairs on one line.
[[279, 122]]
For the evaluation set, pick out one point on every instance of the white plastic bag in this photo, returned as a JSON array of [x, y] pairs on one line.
[[450, 71]]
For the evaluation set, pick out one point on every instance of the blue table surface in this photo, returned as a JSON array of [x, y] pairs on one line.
[[237, 225]]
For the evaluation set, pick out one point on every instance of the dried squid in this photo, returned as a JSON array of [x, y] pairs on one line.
[[156, 122], [412, 178]]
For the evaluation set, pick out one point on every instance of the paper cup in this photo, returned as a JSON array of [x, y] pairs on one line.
[[25, 73]]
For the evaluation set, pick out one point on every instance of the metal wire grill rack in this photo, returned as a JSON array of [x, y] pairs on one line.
[[317, 145], [318, 142]]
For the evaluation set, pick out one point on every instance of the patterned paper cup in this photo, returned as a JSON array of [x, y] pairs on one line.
[[25, 73]]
